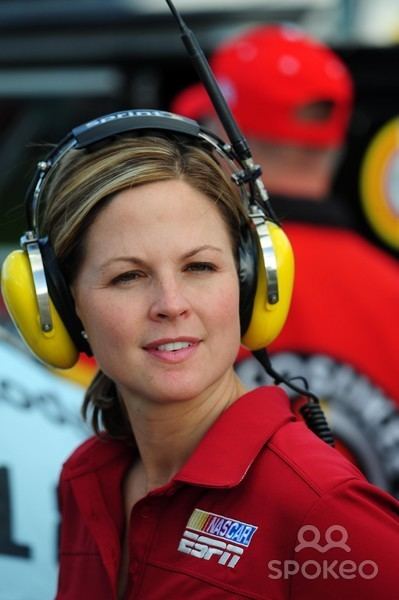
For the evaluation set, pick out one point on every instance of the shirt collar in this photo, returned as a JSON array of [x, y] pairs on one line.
[[230, 446], [223, 456]]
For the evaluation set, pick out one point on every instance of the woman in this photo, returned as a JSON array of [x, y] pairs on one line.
[[192, 487]]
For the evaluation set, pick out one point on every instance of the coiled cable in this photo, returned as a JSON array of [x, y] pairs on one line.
[[311, 412]]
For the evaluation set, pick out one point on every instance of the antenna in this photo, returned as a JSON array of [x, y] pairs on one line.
[[205, 74], [252, 172]]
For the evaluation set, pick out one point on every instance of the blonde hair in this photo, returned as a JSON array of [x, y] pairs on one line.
[[86, 180]]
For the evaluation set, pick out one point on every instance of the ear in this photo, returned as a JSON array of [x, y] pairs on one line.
[[55, 347], [72, 291]]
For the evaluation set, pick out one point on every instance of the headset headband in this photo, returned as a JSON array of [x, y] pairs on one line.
[[98, 130]]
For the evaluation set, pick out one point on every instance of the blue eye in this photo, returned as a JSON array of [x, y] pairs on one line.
[[127, 277], [201, 267]]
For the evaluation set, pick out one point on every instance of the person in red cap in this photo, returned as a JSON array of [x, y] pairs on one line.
[[292, 96]]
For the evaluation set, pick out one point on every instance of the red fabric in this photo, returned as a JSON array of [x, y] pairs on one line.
[[345, 303], [267, 75], [258, 476]]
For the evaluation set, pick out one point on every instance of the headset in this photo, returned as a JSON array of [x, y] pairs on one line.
[[38, 298]]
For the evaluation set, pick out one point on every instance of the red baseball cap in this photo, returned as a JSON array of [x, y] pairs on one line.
[[269, 75]]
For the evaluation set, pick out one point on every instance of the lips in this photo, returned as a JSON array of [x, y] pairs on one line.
[[173, 350], [171, 344]]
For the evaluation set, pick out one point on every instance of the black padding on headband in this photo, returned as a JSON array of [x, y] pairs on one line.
[[132, 120], [247, 274], [61, 296]]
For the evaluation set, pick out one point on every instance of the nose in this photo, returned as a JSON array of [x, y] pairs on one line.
[[169, 301]]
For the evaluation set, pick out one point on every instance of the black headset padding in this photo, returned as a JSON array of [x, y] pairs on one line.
[[247, 274], [61, 296], [132, 120]]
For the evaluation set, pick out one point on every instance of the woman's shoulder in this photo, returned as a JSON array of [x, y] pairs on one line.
[[291, 452], [310, 461], [298, 474], [295, 470]]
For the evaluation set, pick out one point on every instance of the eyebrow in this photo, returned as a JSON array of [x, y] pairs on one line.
[[141, 262], [195, 251]]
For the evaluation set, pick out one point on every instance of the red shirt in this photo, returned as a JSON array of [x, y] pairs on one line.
[[261, 498]]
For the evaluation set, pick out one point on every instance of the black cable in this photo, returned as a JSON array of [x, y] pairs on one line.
[[312, 412], [200, 62]]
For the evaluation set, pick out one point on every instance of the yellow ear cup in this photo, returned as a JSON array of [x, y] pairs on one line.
[[56, 347], [268, 319]]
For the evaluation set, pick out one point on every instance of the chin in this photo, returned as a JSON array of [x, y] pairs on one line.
[[178, 393]]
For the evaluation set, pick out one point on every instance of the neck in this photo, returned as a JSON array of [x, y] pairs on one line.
[[300, 184], [166, 434], [296, 171]]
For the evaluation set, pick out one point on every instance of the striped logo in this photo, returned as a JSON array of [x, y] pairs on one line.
[[221, 527], [210, 535]]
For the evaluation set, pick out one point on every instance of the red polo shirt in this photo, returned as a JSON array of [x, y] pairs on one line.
[[262, 509]]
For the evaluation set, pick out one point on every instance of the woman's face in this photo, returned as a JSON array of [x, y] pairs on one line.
[[158, 293]]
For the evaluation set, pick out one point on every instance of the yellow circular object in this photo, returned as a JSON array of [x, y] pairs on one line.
[[267, 319], [54, 348], [379, 183]]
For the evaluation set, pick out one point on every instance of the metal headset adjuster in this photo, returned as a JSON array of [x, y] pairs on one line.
[[30, 243], [259, 220]]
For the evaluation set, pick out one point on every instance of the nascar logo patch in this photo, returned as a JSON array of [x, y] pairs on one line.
[[210, 535]]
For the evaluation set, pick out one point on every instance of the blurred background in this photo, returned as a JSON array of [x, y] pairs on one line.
[[63, 62]]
